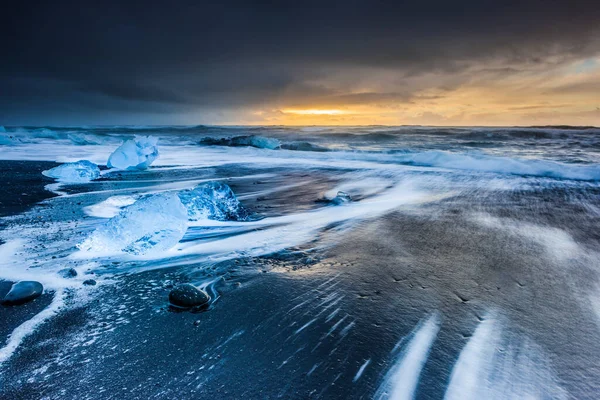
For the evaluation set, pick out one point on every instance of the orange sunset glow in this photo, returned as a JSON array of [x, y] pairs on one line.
[[567, 93]]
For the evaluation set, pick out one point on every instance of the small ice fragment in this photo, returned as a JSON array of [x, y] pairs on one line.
[[152, 224], [137, 153], [80, 171], [341, 198], [212, 200]]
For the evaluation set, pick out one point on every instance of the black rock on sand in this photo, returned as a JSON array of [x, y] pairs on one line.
[[22, 292], [188, 296]]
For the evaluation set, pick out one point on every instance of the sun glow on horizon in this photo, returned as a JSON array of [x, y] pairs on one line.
[[316, 111]]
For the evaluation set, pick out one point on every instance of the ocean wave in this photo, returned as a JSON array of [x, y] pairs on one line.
[[303, 146], [81, 139], [503, 165], [260, 142]]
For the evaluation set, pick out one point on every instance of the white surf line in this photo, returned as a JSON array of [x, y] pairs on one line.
[[401, 380], [28, 327], [361, 370]]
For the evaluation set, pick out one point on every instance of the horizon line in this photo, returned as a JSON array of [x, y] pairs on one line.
[[560, 126]]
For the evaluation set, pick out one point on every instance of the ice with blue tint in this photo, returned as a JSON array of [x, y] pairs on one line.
[[137, 153], [263, 142], [259, 142], [212, 200], [6, 140], [153, 224], [74, 172], [341, 198]]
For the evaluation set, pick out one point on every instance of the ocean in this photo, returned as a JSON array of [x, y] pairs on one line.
[[369, 262]]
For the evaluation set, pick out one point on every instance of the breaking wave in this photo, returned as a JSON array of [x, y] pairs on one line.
[[502, 165]]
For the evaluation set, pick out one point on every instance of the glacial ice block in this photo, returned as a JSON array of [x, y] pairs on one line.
[[212, 200], [152, 224], [137, 153], [80, 171]]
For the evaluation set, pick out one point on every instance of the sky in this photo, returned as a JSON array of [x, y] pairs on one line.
[[350, 62]]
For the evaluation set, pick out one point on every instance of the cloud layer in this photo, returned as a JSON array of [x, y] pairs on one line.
[[429, 62]]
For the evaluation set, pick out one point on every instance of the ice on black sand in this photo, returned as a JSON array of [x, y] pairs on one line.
[[74, 172], [22, 292], [188, 296], [154, 223]]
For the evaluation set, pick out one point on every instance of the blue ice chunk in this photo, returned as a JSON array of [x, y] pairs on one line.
[[74, 172], [341, 198], [153, 224], [212, 200], [137, 153]]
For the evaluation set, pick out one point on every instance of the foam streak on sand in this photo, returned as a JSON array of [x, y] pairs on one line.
[[361, 370], [495, 367], [401, 380]]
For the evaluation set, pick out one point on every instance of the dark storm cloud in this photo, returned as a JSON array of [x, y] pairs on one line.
[[161, 56]]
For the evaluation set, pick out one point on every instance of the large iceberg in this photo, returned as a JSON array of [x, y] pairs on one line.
[[74, 172], [137, 153], [152, 224], [212, 200]]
